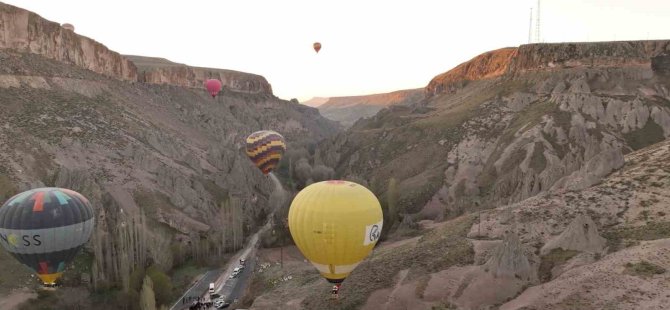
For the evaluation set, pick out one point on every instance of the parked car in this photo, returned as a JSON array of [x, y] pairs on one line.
[[222, 305]]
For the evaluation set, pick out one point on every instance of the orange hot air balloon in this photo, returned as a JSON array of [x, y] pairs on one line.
[[317, 46]]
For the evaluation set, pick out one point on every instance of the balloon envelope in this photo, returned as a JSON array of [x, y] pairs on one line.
[[335, 224], [68, 26], [45, 228], [317, 46], [213, 86], [265, 149]]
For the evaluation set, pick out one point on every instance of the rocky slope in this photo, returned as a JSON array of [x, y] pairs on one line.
[[512, 123], [174, 153], [347, 110], [163, 164], [603, 247]]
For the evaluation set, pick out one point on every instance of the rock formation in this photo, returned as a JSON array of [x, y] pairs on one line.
[[661, 64], [509, 260], [581, 235], [26, 31], [510, 124], [162, 71]]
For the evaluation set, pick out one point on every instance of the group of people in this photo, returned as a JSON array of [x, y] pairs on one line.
[[198, 302]]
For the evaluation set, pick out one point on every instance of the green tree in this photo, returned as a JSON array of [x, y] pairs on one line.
[[392, 197], [147, 299], [302, 172], [162, 285], [322, 173], [136, 278]]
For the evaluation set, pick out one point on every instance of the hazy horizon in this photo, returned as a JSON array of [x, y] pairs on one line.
[[368, 47]]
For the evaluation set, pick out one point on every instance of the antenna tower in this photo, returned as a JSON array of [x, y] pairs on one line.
[[537, 23], [530, 27]]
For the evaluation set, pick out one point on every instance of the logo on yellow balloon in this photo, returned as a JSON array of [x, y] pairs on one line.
[[13, 240]]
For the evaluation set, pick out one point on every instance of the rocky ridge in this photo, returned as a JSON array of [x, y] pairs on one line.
[[515, 129], [26, 31]]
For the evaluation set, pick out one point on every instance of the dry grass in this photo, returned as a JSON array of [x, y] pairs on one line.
[[618, 238], [555, 258], [644, 269]]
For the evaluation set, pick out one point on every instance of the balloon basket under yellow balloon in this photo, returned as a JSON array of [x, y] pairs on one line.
[[49, 280]]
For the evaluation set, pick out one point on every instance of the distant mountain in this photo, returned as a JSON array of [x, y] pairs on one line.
[[347, 110], [316, 101]]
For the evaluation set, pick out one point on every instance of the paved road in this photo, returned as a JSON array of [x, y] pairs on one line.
[[232, 289], [196, 290]]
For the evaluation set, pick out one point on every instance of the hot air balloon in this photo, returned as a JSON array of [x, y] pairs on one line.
[[44, 229], [335, 224], [317, 47], [265, 148], [68, 26], [213, 86]]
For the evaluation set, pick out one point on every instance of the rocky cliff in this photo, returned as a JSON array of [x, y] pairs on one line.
[[162, 71], [26, 31], [511, 124], [488, 65], [548, 57], [347, 110]]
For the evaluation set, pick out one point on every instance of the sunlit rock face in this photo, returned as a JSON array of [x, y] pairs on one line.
[[512, 123]]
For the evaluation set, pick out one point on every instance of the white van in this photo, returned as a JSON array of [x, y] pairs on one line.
[[211, 288]]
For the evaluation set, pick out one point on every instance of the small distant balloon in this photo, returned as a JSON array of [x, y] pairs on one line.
[[213, 87], [317, 46], [68, 26]]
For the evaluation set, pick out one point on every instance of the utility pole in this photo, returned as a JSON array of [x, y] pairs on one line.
[[537, 23], [530, 27]]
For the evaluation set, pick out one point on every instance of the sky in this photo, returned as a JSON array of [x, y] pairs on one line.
[[368, 46]]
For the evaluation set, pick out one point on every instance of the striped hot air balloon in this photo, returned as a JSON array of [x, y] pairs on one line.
[[45, 228], [265, 148]]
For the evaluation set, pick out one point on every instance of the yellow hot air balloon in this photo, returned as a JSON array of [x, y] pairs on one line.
[[335, 224]]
